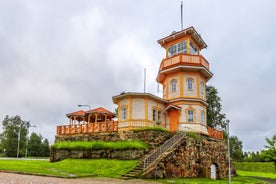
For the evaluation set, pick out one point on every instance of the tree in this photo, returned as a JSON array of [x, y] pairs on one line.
[[14, 132], [37, 146], [269, 153], [215, 118], [236, 148], [45, 148], [34, 144]]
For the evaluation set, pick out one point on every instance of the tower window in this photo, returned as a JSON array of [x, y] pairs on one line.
[[203, 118], [173, 84], [124, 113], [190, 116], [178, 48], [190, 84], [202, 88], [193, 49]]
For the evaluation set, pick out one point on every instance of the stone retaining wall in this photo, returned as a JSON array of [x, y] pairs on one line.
[[193, 158], [58, 155], [151, 137]]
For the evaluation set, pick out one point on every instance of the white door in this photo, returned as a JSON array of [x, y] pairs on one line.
[[213, 171]]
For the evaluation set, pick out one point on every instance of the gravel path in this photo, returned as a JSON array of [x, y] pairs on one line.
[[12, 178]]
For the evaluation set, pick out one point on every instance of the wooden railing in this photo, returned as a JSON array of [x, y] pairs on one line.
[[217, 134], [109, 126], [185, 59]]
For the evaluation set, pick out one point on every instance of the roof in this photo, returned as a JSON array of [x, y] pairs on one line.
[[172, 107], [77, 113], [99, 110], [136, 94], [188, 31]]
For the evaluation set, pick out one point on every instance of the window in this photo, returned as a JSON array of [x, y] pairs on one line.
[[156, 115], [153, 114], [124, 113], [193, 49], [177, 48], [203, 117], [190, 84], [173, 83], [159, 116], [202, 89], [164, 91], [172, 50], [190, 116]]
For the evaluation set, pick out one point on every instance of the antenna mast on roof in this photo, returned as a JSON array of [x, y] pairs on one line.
[[181, 9]]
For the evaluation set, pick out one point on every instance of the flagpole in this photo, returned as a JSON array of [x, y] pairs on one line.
[[181, 15]]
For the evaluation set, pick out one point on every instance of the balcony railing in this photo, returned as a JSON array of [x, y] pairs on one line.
[[112, 126], [184, 59], [109, 126]]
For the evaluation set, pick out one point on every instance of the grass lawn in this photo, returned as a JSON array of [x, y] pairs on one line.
[[71, 167], [113, 169], [256, 166]]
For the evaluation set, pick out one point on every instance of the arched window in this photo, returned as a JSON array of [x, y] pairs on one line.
[[190, 116], [203, 121], [164, 91], [190, 84], [124, 113], [173, 85], [202, 89]]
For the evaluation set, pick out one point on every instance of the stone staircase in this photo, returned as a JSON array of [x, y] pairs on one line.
[[153, 156]]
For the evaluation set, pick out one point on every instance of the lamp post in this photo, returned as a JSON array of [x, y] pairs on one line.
[[18, 140], [229, 158], [85, 106], [26, 151]]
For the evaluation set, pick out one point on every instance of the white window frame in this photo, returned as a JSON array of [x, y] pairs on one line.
[[173, 85], [190, 116], [178, 48], [124, 113], [190, 84]]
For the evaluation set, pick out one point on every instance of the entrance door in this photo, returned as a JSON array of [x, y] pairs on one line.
[[213, 171], [174, 120]]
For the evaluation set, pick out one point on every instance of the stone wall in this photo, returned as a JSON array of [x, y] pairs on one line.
[[58, 155], [193, 158], [151, 137]]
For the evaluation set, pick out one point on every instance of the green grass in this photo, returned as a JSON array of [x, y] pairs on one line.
[[96, 145], [71, 167], [160, 129], [256, 166], [256, 169], [257, 174]]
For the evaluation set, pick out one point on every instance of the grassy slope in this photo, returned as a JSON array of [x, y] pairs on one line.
[[94, 145], [71, 167], [256, 169]]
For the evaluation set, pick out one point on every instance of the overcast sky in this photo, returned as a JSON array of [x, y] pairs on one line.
[[57, 54]]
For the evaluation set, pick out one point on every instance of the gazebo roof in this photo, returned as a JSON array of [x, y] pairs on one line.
[[100, 110], [77, 113]]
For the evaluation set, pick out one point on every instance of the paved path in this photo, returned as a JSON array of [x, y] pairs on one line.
[[12, 178]]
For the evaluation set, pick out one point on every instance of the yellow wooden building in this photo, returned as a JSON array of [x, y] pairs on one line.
[[183, 73]]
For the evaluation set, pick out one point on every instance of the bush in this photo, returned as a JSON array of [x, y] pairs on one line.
[[160, 129]]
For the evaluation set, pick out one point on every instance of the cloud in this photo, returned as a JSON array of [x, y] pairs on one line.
[[55, 55]]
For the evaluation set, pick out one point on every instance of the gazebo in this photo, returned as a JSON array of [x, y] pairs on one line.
[[95, 120]]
